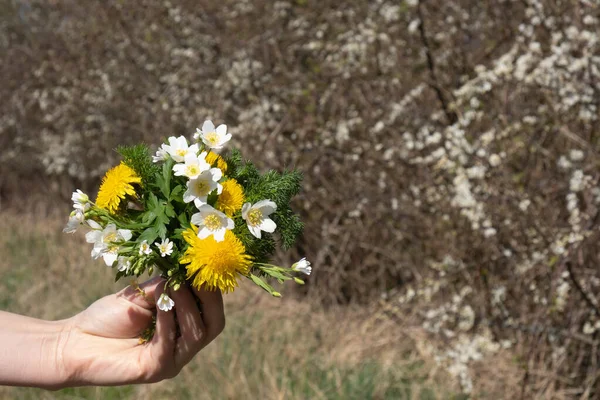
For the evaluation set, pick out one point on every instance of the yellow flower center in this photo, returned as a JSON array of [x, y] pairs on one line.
[[202, 187], [255, 217], [111, 237], [192, 170], [212, 138], [181, 152], [212, 222]]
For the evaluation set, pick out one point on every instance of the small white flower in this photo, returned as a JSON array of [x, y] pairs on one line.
[[81, 201], [161, 155], [199, 188], [495, 160], [302, 266], [193, 165], [211, 137], [165, 303], [576, 155], [145, 248], [106, 241], [178, 148], [123, 263], [165, 248], [77, 218], [257, 217], [211, 221]]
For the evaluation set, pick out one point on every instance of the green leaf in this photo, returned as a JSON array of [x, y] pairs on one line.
[[183, 219], [149, 235], [262, 284], [148, 217], [175, 193], [275, 274], [169, 210]]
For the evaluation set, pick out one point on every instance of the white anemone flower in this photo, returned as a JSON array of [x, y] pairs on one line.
[[199, 188], [193, 165], [178, 148], [106, 241], [165, 248], [123, 263], [81, 201], [214, 138], [257, 217], [165, 303], [302, 266], [76, 218], [161, 155], [211, 221], [145, 248]]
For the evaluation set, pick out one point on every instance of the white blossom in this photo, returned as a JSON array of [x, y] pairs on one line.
[[165, 303], [214, 138], [193, 165], [161, 155], [77, 218], [123, 263], [106, 241], [257, 217], [200, 187], [178, 148], [145, 248], [165, 247], [302, 266], [211, 221], [81, 201]]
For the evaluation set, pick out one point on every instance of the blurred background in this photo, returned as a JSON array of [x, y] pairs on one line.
[[451, 195]]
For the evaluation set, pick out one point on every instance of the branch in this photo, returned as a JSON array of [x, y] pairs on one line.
[[451, 115]]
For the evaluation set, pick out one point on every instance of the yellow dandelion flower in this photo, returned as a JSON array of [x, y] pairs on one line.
[[116, 185], [213, 158], [231, 198], [216, 265]]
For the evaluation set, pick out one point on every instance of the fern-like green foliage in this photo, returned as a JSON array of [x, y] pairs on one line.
[[138, 158], [278, 187]]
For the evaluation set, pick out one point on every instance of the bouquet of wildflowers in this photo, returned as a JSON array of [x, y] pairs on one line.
[[192, 214]]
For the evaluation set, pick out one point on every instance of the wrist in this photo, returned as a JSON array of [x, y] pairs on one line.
[[61, 359]]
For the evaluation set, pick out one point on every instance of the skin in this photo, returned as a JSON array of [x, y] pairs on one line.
[[100, 345]]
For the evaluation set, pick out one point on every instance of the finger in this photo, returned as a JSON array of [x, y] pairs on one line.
[[191, 326], [213, 313], [143, 294], [162, 345]]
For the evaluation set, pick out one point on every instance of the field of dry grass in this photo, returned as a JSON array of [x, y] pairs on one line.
[[270, 349]]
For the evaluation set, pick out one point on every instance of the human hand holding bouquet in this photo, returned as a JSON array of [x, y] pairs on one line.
[[198, 217]]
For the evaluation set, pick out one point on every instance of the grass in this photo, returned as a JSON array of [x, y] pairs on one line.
[[271, 348]]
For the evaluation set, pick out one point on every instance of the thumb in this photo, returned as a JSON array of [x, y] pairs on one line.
[[143, 294]]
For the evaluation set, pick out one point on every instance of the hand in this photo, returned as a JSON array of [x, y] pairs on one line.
[[100, 346]]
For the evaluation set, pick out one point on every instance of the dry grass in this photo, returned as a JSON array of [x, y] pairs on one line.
[[271, 349]]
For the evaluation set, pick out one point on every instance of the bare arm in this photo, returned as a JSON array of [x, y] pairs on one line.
[[100, 345]]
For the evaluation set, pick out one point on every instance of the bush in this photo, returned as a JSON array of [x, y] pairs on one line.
[[450, 149]]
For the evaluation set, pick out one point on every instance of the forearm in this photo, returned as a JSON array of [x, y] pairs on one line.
[[31, 352]]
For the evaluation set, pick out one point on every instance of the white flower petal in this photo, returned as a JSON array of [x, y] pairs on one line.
[[266, 206], [93, 224], [125, 234], [204, 233], [255, 230], [208, 126], [200, 201], [245, 208], [219, 234], [221, 130], [268, 225]]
